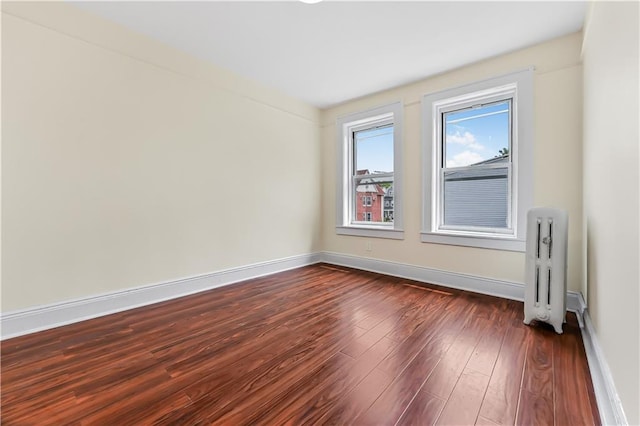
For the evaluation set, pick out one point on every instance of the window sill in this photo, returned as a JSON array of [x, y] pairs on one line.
[[496, 243], [373, 232]]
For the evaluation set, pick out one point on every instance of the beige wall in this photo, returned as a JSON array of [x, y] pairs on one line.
[[557, 162], [127, 163], [611, 202], [141, 165]]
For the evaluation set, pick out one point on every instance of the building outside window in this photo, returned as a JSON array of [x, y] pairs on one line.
[[387, 212], [372, 196]]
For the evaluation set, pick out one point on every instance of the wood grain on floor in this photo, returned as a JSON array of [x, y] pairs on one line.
[[316, 345]]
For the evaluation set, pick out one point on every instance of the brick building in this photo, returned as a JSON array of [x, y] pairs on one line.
[[370, 201]]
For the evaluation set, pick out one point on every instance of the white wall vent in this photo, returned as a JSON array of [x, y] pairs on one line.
[[545, 295]]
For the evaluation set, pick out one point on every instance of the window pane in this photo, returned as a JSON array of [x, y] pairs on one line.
[[374, 200], [476, 197], [373, 150], [478, 135]]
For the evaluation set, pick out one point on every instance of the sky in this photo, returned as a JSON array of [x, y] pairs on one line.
[[374, 150], [476, 134], [472, 135]]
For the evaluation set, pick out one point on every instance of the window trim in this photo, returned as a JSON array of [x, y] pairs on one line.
[[521, 151], [500, 94], [345, 125]]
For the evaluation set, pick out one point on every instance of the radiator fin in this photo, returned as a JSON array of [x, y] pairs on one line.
[[550, 236], [549, 288], [538, 240], [537, 285]]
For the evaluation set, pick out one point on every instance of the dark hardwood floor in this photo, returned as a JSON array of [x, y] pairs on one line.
[[319, 344]]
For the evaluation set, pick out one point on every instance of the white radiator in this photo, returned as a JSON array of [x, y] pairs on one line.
[[545, 295]]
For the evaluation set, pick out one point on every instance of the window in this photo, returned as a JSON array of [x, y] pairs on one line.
[[478, 163], [475, 167], [370, 178]]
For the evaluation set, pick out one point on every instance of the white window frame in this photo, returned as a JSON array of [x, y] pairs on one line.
[[345, 207], [519, 87]]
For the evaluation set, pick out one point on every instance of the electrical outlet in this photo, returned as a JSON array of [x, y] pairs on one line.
[[367, 246]]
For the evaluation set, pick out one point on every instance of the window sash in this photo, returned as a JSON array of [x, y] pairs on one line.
[[377, 125], [459, 104], [469, 106], [368, 178]]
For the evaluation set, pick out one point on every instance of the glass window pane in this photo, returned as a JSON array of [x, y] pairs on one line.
[[373, 200], [478, 135], [373, 150], [476, 197]]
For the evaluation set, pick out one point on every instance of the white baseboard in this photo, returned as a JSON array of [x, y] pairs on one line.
[[39, 318], [490, 286], [609, 404]]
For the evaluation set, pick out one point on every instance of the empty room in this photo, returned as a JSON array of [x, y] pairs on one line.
[[320, 212]]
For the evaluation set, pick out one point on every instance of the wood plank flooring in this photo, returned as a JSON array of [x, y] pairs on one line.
[[315, 345]]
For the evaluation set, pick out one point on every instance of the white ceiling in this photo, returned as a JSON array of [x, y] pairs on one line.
[[333, 51]]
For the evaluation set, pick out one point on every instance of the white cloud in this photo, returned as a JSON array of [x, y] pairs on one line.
[[465, 158], [467, 139]]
